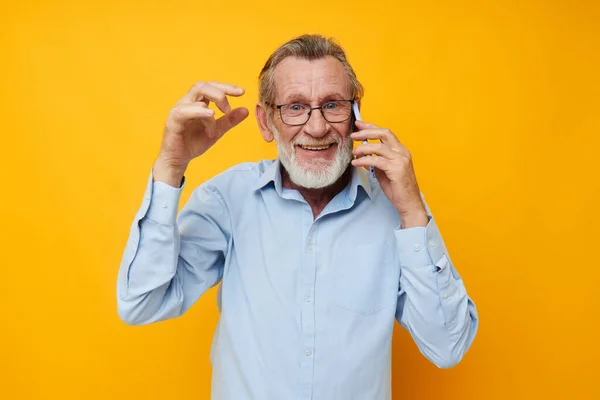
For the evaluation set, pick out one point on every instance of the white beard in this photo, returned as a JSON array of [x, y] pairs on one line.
[[319, 173]]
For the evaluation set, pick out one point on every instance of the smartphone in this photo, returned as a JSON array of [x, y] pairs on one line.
[[358, 118]]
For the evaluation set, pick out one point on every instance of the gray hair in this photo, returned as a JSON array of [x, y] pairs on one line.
[[308, 47]]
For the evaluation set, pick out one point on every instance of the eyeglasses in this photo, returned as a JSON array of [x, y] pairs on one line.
[[298, 113]]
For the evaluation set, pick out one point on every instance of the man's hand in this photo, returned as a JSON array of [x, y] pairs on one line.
[[394, 171], [191, 128]]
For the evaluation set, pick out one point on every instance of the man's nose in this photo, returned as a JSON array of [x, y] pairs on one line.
[[316, 126]]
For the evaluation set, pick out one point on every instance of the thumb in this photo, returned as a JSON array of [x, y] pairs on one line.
[[231, 119]]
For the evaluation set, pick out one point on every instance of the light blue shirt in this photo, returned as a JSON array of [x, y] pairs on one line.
[[307, 306]]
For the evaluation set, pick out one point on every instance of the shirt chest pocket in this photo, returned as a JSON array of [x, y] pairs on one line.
[[366, 279]]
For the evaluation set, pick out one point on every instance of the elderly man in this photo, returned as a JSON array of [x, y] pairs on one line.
[[316, 256]]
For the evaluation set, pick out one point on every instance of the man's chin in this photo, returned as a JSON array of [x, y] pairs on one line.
[[316, 177], [315, 165]]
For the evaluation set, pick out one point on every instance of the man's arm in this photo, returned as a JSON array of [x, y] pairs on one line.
[[170, 262], [433, 304], [432, 301]]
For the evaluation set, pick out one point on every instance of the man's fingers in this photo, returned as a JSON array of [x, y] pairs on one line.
[[228, 89], [215, 91], [379, 149], [384, 135], [365, 125], [231, 119], [182, 114], [372, 133], [377, 162], [208, 92]]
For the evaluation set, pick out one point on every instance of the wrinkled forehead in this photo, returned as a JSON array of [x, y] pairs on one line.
[[311, 81]]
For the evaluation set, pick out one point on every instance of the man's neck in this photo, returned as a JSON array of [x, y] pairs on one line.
[[318, 198]]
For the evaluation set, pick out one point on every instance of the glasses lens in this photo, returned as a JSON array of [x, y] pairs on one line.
[[294, 114], [337, 111]]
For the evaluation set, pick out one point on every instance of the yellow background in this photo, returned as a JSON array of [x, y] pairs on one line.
[[497, 100]]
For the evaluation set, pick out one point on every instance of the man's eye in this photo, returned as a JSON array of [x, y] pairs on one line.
[[330, 106], [296, 107]]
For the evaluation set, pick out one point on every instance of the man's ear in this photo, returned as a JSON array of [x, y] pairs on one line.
[[263, 125]]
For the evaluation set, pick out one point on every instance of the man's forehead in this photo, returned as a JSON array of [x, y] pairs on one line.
[[309, 78]]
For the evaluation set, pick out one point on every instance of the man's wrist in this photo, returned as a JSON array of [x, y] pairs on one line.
[[166, 174], [414, 219]]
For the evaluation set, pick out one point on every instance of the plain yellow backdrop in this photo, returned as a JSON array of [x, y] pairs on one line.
[[498, 101]]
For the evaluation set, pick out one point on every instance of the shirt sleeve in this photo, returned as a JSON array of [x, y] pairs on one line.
[[433, 304], [170, 261]]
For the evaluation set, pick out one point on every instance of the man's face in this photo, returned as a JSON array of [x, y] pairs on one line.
[[317, 153]]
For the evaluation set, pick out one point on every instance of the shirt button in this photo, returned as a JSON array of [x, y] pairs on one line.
[[417, 247], [164, 205], [308, 299], [310, 246], [308, 353], [431, 243], [445, 295]]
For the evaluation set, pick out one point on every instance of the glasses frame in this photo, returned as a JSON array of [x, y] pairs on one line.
[[310, 110]]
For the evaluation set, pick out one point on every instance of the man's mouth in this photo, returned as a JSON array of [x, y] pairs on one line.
[[315, 148]]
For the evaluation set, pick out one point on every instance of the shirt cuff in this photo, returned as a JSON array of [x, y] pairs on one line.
[[164, 202], [420, 246]]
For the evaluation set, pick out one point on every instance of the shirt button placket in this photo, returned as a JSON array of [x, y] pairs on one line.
[[308, 275]]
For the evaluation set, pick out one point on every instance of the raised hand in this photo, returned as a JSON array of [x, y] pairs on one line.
[[394, 171], [191, 128]]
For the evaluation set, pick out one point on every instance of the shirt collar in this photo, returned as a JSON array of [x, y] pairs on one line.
[[272, 173], [359, 178]]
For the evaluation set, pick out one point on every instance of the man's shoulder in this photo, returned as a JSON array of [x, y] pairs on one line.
[[256, 167], [240, 177]]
